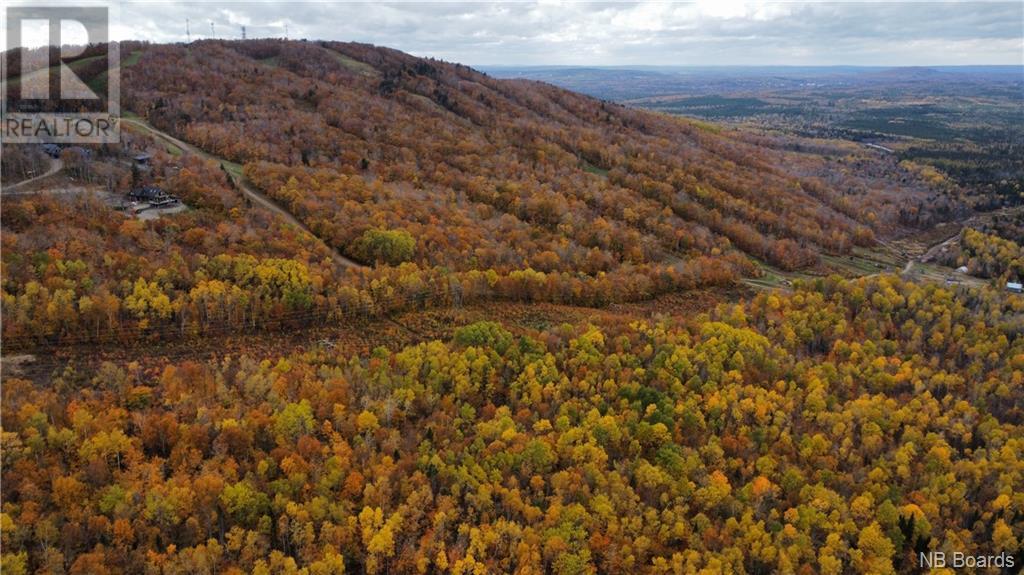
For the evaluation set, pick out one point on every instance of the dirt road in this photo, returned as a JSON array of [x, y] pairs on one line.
[[934, 251], [55, 166], [250, 192]]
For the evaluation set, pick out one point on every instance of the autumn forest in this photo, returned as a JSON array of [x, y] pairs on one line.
[[405, 317]]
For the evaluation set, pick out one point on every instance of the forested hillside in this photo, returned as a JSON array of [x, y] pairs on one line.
[[620, 351], [510, 173], [448, 186], [839, 429]]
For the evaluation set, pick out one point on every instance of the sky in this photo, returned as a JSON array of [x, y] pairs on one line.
[[530, 33]]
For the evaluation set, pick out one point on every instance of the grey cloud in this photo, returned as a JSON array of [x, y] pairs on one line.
[[600, 33]]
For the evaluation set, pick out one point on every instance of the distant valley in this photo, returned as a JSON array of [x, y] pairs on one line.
[[968, 121]]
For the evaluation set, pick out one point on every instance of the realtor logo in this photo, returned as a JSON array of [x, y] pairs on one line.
[[60, 76]]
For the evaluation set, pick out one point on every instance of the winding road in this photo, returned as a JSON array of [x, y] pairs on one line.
[[933, 252], [250, 192], [55, 166]]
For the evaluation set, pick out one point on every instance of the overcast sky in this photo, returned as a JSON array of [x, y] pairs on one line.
[[705, 32]]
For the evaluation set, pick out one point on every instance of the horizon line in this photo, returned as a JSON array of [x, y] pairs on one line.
[[1021, 65]]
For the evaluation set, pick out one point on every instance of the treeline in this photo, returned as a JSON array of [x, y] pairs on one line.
[[238, 294], [76, 271], [989, 169], [988, 256], [843, 428]]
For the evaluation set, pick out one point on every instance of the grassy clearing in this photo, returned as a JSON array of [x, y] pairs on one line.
[[854, 265], [772, 278], [353, 64], [132, 59], [139, 125], [860, 263], [427, 102], [591, 168], [75, 66], [97, 83], [883, 255], [940, 274], [232, 168], [706, 126], [764, 284]]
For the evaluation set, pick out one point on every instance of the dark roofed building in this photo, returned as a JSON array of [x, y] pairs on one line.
[[147, 194]]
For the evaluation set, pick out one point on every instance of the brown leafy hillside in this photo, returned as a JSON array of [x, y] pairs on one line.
[[488, 173], [450, 186]]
